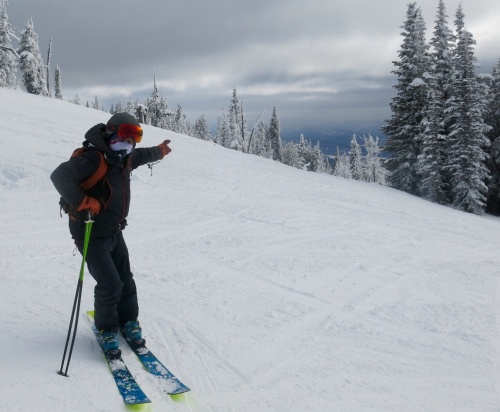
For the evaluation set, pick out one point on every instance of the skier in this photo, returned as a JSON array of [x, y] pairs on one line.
[[115, 294]]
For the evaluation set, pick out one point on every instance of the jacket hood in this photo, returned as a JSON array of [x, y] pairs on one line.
[[97, 137]]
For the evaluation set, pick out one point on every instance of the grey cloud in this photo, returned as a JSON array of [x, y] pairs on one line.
[[317, 61]]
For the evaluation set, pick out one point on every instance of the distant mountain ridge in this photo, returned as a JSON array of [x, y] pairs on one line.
[[330, 139]]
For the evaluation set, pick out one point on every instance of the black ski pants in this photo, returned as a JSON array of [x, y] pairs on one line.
[[115, 295]]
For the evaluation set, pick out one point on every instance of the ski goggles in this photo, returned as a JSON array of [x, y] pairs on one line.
[[127, 131]]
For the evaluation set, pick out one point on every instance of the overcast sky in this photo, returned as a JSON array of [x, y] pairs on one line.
[[323, 62]]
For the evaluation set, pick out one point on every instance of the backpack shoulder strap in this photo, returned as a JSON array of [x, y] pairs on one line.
[[100, 172]]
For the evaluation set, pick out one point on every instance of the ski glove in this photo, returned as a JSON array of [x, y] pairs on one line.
[[165, 150], [91, 204]]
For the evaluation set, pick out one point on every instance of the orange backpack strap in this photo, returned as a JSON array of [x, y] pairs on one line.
[[100, 172]]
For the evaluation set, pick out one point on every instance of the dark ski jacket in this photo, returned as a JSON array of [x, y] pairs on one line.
[[113, 191]]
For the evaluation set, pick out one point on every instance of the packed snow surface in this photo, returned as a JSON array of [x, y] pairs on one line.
[[262, 287]]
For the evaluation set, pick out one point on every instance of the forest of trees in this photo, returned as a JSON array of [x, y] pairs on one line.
[[233, 129], [443, 137], [233, 132]]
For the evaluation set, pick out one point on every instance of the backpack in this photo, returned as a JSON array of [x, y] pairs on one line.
[[99, 174]]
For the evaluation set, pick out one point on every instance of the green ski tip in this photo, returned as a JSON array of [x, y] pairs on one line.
[[141, 407]]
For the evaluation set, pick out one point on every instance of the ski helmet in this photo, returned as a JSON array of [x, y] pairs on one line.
[[125, 126], [118, 119]]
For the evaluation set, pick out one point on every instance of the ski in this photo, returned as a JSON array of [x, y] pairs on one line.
[[129, 389], [173, 386]]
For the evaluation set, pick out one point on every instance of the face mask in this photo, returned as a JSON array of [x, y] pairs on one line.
[[121, 148]]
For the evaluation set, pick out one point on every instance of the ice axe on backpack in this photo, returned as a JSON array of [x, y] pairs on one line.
[[78, 298]]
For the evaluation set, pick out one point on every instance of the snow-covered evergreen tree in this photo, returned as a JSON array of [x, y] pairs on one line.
[[303, 149], [355, 160], [459, 21], [304, 156], [260, 144], [119, 107], [494, 185], [274, 136], [342, 167], [290, 155], [468, 131], [131, 107], [493, 116], [8, 61], [223, 134], [243, 124], [493, 120], [57, 81], [47, 68], [322, 161], [433, 157], [308, 155], [405, 128], [234, 115], [181, 123], [237, 123], [30, 62], [201, 129], [373, 169], [159, 114], [442, 44]]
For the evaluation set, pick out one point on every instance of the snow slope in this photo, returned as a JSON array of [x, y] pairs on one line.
[[262, 287]]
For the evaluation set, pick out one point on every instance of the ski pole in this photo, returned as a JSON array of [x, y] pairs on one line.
[[78, 298]]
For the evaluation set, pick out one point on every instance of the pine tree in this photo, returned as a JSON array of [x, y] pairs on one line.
[[47, 74], [493, 117], [119, 108], [131, 107], [432, 160], [433, 157], [30, 62], [159, 114], [341, 167], [303, 149], [322, 160], [493, 120], [309, 155], [8, 63], [201, 129], [181, 124], [373, 171], [290, 155], [260, 145], [274, 136], [244, 129], [468, 140], [57, 81], [223, 135], [237, 124], [405, 128], [493, 204], [355, 159], [442, 43]]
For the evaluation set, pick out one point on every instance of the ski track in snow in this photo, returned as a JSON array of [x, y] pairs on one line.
[[262, 288]]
